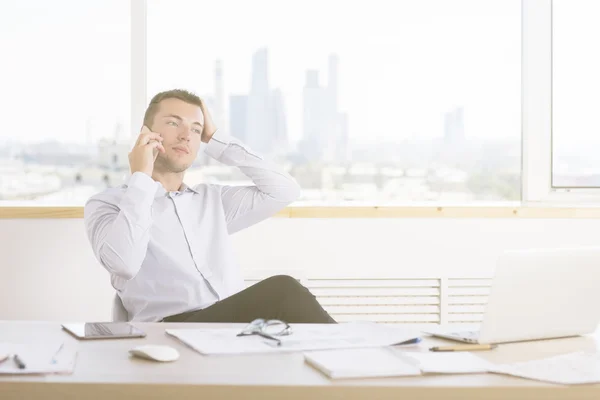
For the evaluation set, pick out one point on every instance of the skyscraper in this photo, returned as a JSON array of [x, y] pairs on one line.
[[332, 83], [260, 71], [278, 116], [219, 97], [454, 127], [315, 110], [325, 136], [343, 144], [266, 121], [238, 115], [259, 127]]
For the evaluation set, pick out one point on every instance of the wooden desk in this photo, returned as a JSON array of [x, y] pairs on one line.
[[104, 370]]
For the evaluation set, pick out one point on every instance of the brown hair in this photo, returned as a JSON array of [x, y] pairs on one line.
[[180, 94]]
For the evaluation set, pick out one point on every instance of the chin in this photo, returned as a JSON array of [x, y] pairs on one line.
[[181, 168]]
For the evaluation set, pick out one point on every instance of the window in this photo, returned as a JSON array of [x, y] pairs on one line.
[[392, 103], [65, 101], [397, 102], [575, 94]]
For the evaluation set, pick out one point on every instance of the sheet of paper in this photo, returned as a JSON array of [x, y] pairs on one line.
[[360, 363], [447, 363], [305, 337], [39, 358], [566, 369]]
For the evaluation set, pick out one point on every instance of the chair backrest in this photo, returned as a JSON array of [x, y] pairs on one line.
[[119, 313]]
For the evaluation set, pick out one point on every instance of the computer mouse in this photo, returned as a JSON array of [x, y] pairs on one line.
[[155, 353]]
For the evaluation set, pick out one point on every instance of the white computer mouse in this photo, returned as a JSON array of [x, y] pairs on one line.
[[155, 352]]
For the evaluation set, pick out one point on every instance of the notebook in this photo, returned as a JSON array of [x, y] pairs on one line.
[[449, 363], [376, 362]]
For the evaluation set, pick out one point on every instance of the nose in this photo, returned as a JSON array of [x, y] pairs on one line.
[[185, 132]]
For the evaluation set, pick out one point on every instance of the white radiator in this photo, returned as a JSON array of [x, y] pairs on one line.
[[420, 301]]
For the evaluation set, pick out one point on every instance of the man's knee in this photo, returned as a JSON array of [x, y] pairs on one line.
[[284, 283]]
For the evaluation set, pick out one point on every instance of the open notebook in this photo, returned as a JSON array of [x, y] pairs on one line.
[[567, 369], [388, 362]]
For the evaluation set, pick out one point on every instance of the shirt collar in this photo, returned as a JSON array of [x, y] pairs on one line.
[[161, 192], [186, 188]]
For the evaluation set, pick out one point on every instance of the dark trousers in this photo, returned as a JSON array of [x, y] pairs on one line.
[[279, 297]]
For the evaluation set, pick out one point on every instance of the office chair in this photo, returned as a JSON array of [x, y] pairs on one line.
[[119, 313]]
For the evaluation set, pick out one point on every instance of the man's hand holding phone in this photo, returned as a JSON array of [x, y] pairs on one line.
[[145, 151]]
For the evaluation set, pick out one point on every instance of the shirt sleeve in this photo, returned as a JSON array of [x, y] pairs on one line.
[[273, 188], [119, 233]]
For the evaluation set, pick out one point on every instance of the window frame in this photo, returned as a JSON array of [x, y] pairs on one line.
[[536, 113], [536, 137]]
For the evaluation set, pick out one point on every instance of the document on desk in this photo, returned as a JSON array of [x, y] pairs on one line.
[[37, 358], [448, 363], [305, 337], [390, 361], [567, 369], [378, 362]]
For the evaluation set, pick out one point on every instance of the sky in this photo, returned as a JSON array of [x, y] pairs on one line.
[[65, 66], [403, 64], [576, 78]]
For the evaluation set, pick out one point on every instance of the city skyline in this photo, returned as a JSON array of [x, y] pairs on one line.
[[402, 93], [102, 27], [390, 87]]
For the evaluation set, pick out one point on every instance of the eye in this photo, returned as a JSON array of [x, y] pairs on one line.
[[172, 123], [199, 131]]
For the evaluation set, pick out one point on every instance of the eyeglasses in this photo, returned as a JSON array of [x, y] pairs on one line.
[[267, 329]]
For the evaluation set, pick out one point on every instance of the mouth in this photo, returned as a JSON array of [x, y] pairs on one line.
[[182, 150]]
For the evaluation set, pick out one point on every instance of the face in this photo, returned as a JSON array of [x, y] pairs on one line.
[[180, 124]]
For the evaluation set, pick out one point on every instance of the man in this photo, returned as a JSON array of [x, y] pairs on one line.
[[167, 246]]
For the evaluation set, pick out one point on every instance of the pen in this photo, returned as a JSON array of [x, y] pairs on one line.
[[54, 361], [409, 341], [19, 362], [466, 347]]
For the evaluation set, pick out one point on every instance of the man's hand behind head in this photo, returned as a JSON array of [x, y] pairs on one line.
[[209, 125]]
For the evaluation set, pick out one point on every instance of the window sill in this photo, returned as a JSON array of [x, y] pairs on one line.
[[41, 212]]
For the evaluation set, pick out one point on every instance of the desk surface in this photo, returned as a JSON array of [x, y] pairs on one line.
[[104, 369]]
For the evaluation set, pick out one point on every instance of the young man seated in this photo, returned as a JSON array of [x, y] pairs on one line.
[[167, 246]]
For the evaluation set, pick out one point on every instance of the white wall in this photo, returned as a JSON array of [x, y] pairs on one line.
[[48, 272]]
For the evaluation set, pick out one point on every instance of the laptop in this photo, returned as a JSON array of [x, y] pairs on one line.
[[539, 294]]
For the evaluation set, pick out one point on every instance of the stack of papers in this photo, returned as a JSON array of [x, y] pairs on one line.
[[567, 369], [388, 362], [38, 358], [305, 337]]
